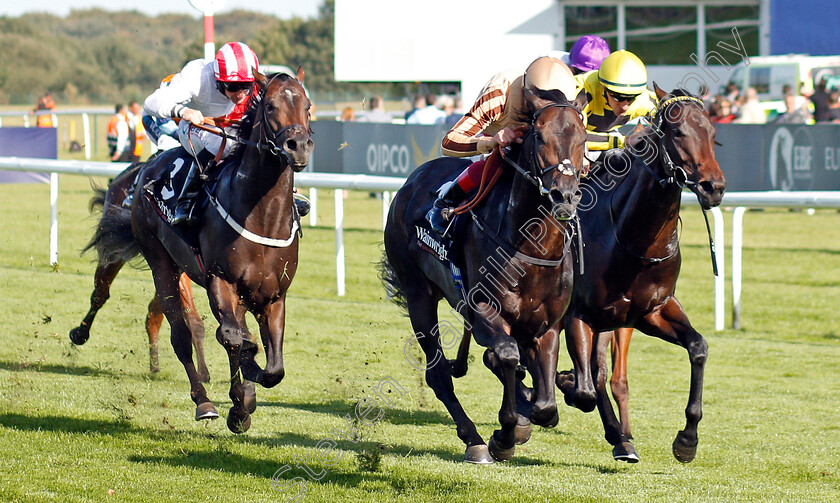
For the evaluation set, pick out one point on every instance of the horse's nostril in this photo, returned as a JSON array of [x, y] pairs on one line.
[[291, 145], [707, 187]]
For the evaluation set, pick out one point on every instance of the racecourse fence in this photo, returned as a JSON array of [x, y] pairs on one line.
[[339, 182]]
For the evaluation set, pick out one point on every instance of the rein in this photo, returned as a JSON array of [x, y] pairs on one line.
[[675, 175], [264, 143], [565, 167]]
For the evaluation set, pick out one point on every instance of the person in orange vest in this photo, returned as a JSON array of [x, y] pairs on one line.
[[137, 131], [45, 102], [119, 135]]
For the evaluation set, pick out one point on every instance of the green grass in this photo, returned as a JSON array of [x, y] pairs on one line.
[[78, 422]]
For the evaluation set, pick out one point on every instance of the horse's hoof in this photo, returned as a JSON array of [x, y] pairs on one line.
[[565, 381], [457, 369], [522, 431], [478, 455], [206, 410], [250, 401], [625, 452], [498, 453], [79, 336], [684, 448], [237, 425]]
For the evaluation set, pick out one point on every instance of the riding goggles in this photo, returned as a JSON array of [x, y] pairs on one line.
[[233, 87], [621, 98]]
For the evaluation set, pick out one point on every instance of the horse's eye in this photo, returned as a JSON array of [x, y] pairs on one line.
[[677, 133]]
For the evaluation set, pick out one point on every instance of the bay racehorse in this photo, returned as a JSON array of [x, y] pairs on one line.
[[515, 279], [247, 243], [629, 220], [113, 200]]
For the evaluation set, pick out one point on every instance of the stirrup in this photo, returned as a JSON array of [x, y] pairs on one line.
[[185, 214], [439, 218], [302, 204]]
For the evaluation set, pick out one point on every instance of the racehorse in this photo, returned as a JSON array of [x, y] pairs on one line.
[[630, 234], [246, 240], [516, 275], [106, 271]]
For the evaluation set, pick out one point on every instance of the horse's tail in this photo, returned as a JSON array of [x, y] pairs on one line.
[[113, 239], [391, 282]]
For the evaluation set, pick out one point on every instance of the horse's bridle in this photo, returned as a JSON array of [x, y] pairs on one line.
[[535, 174], [674, 173]]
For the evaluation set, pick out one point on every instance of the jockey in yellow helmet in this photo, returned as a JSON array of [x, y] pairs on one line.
[[617, 93]]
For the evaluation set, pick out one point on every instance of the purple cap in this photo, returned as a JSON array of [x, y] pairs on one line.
[[588, 52]]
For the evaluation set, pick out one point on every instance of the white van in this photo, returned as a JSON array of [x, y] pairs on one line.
[[769, 75]]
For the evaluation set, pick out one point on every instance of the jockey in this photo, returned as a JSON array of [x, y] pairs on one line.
[[492, 122], [204, 88], [586, 54], [163, 133], [616, 94]]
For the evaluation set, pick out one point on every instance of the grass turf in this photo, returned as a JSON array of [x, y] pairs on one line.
[[91, 423]]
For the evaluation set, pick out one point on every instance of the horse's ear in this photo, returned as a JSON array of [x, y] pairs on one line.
[[300, 75], [581, 100], [659, 92], [259, 78]]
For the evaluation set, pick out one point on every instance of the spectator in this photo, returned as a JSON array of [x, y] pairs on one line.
[[720, 110], [376, 112], [794, 113], [751, 112], [137, 131], [119, 135], [820, 99], [347, 115], [429, 114], [419, 102], [45, 102], [733, 93], [834, 107]]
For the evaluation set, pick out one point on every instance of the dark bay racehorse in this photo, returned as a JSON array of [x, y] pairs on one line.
[[247, 240], [630, 234], [516, 268], [107, 269]]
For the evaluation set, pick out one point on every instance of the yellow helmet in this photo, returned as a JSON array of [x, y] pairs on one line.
[[546, 73], [622, 72]]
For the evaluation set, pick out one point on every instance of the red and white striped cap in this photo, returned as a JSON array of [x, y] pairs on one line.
[[235, 62]]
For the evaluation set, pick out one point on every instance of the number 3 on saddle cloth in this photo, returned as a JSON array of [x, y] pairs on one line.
[[163, 191]]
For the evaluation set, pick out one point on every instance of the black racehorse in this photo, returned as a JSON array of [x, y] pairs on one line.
[[630, 234], [247, 242], [629, 217], [113, 200], [516, 268]]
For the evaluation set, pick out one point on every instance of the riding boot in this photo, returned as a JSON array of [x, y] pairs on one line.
[[302, 204], [441, 212], [185, 207]]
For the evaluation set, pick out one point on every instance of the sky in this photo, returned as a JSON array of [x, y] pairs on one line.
[[281, 8]]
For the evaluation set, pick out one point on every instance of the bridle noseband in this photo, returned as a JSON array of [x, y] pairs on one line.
[[271, 141]]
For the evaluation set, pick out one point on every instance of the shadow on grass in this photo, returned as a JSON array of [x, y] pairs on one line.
[[340, 408], [64, 424], [55, 368]]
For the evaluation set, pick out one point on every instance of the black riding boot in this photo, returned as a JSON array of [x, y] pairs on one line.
[[185, 207], [437, 217]]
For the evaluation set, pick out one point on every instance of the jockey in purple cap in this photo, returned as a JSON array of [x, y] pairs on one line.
[[587, 53]]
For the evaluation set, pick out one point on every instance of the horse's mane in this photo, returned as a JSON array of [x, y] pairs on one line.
[[246, 125], [552, 95]]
